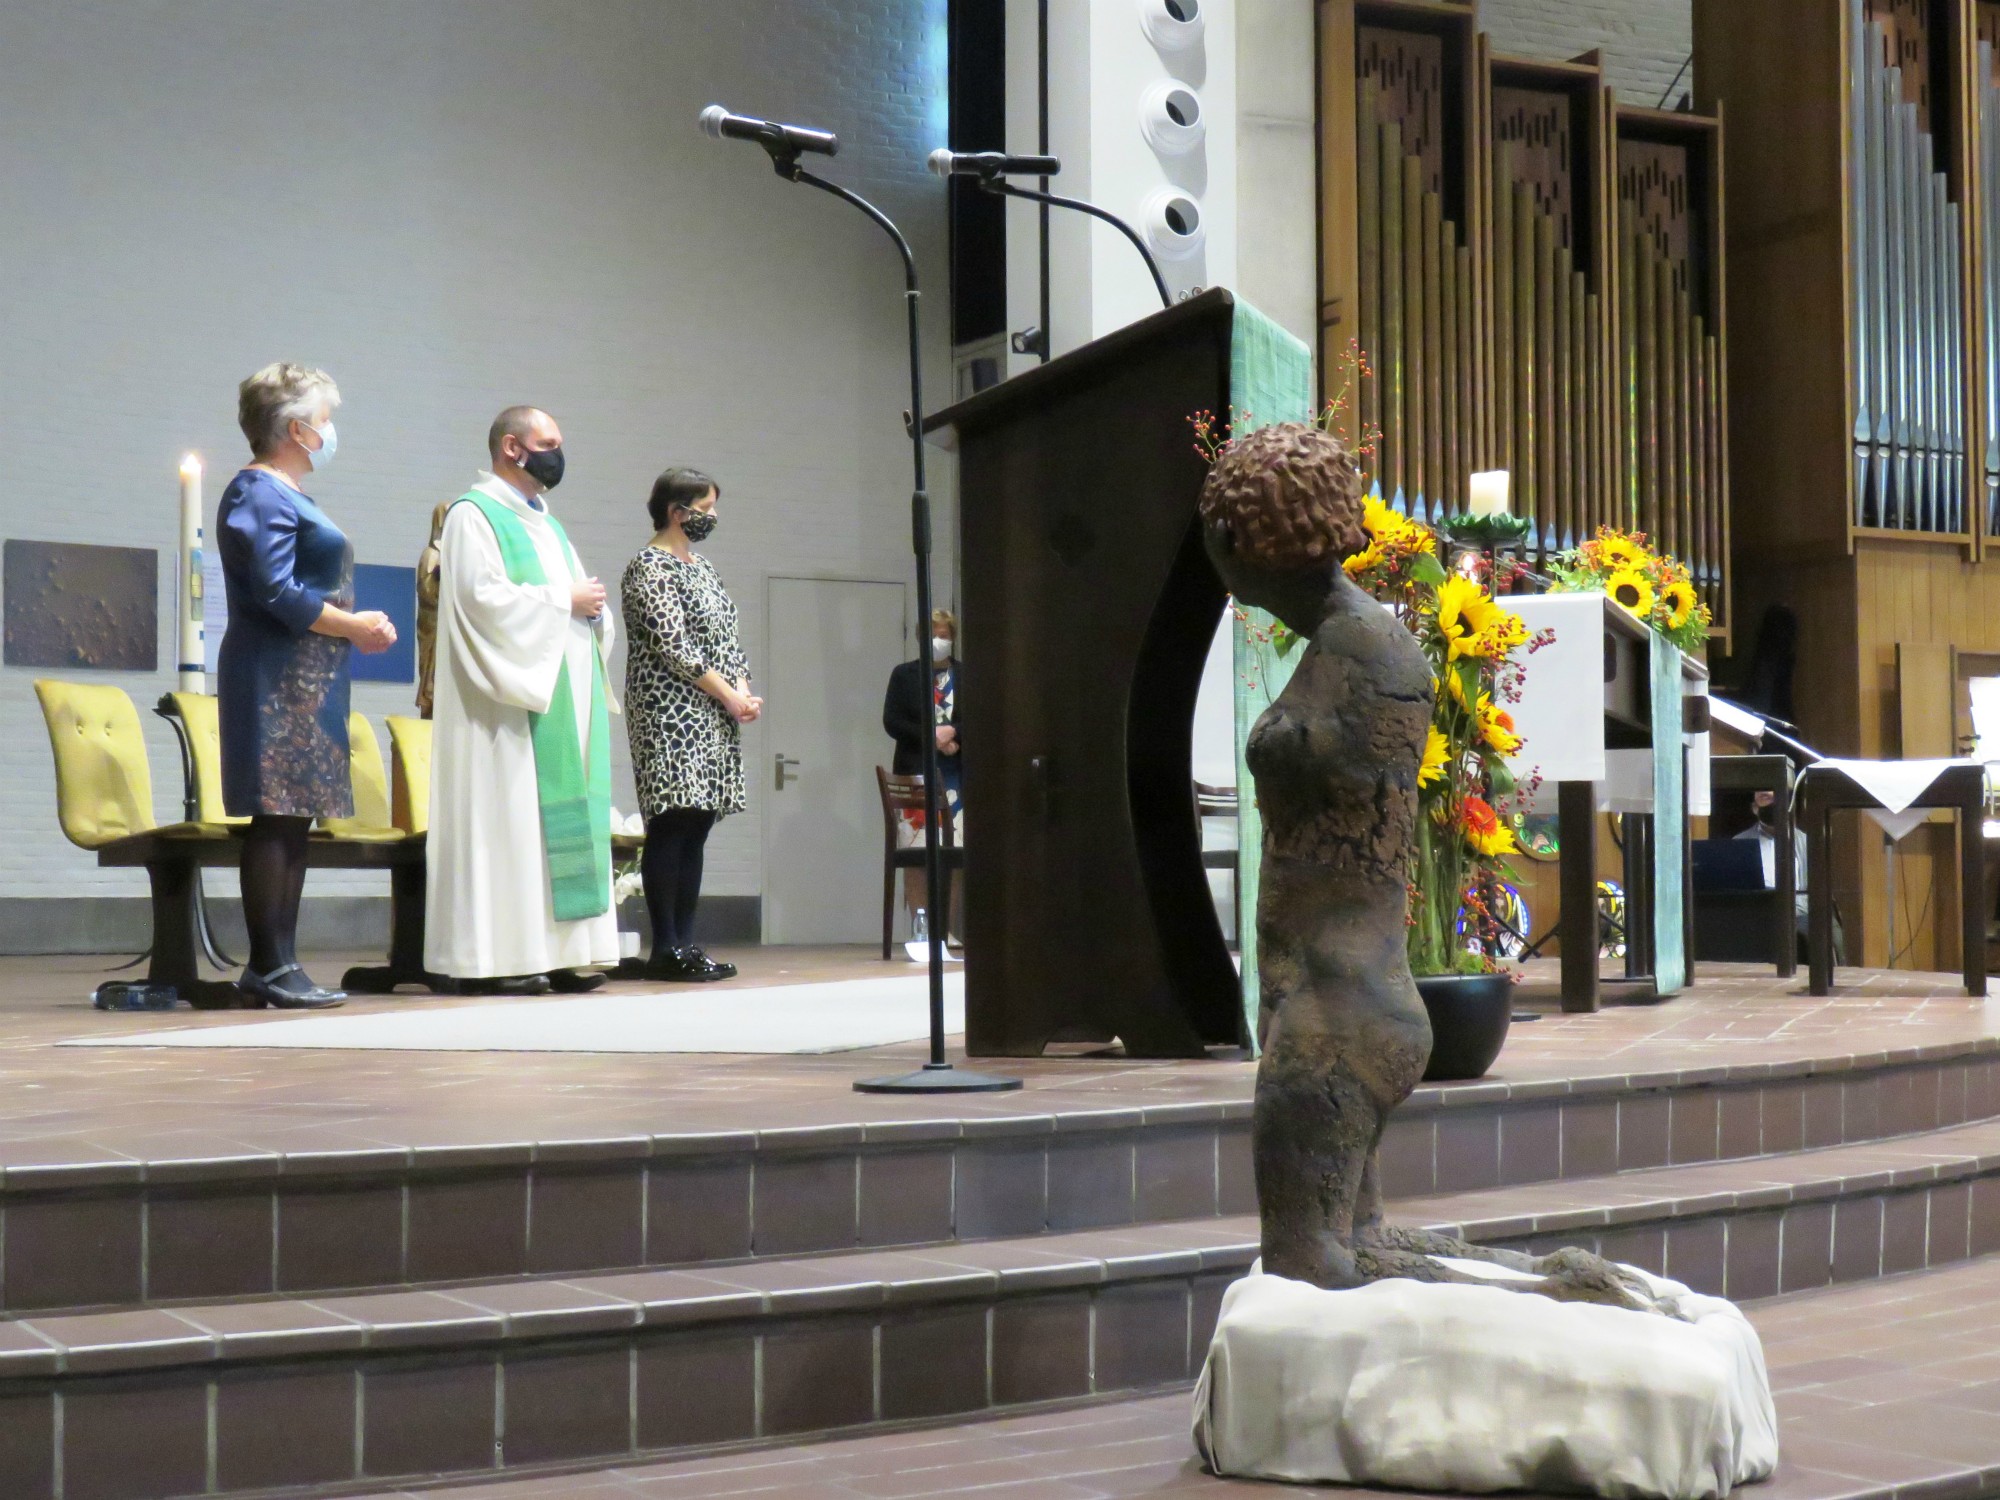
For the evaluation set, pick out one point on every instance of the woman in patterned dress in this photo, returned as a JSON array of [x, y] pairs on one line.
[[687, 694], [281, 679]]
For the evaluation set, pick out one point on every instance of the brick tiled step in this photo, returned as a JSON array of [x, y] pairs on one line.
[[272, 1394], [207, 1226], [1887, 1391], [528, 1371], [1752, 1228]]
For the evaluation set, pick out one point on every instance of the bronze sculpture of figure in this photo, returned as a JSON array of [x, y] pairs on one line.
[[1335, 761]]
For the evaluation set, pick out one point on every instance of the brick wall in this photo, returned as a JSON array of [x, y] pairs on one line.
[[454, 205], [1644, 41]]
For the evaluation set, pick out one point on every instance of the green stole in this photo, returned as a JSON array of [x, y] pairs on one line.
[[575, 798]]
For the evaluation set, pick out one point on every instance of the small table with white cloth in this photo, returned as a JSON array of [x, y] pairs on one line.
[[1897, 794]]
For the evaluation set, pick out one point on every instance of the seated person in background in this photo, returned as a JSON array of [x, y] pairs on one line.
[[910, 710], [1765, 830]]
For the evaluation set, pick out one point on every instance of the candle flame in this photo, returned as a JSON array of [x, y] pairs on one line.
[[191, 466]]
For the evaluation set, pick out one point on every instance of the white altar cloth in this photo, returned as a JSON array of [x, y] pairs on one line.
[[1560, 715], [1449, 1387], [1895, 784]]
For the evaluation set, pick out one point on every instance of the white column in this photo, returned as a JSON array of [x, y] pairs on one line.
[[1143, 111]]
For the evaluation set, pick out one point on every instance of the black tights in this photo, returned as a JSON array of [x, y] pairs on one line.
[[671, 872], [274, 878]]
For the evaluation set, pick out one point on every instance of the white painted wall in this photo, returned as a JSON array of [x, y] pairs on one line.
[[453, 205]]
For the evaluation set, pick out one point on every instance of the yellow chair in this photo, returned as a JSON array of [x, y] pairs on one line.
[[365, 771], [410, 778], [198, 725], [104, 786], [104, 801]]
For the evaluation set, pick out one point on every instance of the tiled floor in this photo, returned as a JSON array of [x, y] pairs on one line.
[[1888, 1388], [69, 1104]]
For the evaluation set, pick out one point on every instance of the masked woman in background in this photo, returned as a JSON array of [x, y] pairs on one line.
[[687, 694], [282, 683]]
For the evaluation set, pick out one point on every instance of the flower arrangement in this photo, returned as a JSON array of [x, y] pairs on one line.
[[1464, 784], [1474, 644], [1652, 586]]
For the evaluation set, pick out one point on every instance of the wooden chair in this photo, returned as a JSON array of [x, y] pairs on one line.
[[1220, 802], [901, 794], [1216, 802]]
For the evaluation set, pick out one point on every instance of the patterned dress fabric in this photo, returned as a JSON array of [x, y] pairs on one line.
[[680, 623], [282, 690]]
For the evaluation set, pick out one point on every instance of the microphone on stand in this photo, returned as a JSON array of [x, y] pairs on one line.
[[786, 140], [989, 170], [992, 164]]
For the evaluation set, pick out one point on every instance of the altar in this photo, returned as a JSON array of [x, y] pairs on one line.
[[1637, 746]]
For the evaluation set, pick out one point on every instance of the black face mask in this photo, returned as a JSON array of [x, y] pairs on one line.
[[545, 468], [698, 524]]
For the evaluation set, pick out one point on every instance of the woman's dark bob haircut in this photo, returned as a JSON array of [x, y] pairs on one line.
[[677, 488]]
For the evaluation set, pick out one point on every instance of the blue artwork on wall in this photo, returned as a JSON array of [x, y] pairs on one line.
[[393, 590]]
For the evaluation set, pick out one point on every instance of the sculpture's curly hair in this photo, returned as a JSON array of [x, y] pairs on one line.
[[1288, 496]]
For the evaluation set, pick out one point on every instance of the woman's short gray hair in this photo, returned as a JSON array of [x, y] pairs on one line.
[[271, 400]]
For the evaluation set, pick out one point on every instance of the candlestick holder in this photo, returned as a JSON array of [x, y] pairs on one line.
[[1485, 537]]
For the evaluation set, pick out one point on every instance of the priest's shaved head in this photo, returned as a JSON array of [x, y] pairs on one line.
[[527, 451], [516, 422]]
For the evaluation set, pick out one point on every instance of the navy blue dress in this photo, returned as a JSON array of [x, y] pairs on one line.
[[283, 689]]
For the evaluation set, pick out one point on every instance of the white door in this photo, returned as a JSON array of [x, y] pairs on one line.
[[832, 644]]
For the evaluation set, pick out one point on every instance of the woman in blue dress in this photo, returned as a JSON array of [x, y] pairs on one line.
[[282, 678]]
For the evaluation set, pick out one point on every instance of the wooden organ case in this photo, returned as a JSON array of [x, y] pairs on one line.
[[1534, 273], [1863, 184]]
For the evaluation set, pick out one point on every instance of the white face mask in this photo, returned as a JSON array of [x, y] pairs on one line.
[[940, 648], [329, 444]]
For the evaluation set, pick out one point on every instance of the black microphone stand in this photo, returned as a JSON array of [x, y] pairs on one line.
[[988, 183], [937, 1076]]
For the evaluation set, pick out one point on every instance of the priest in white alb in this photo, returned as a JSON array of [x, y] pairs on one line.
[[519, 897]]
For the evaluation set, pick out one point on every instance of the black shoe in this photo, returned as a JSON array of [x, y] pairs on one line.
[[682, 966], [520, 984], [575, 981], [714, 967], [286, 989]]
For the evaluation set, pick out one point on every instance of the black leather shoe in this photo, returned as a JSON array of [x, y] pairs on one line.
[[714, 967], [575, 981], [680, 966], [286, 989], [522, 984]]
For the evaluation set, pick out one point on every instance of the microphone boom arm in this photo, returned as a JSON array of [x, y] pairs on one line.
[[1007, 189]]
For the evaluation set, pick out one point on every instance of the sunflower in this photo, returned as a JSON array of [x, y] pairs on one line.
[[1484, 830], [1496, 728], [1436, 751], [1390, 531], [1380, 521], [1470, 622], [1616, 551], [1632, 589], [1365, 561], [1680, 600]]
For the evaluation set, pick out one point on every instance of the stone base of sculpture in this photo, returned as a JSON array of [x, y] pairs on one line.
[[1462, 1387]]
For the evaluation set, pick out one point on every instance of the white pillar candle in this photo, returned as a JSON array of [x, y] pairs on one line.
[[193, 662], [1488, 493]]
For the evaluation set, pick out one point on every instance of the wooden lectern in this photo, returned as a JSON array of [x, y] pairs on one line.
[[1088, 609]]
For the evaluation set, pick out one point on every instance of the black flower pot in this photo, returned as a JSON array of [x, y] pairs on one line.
[[1469, 1016]]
